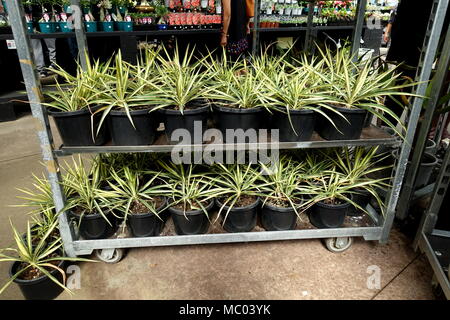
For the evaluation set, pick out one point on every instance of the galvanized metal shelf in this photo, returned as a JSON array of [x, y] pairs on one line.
[[381, 229], [371, 136]]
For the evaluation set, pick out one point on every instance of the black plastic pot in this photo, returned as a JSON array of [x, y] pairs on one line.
[[147, 224], [76, 128], [188, 120], [124, 134], [240, 219], [190, 222], [427, 164], [277, 218], [236, 118], [361, 197], [350, 130], [94, 226], [42, 288], [302, 120], [325, 215]]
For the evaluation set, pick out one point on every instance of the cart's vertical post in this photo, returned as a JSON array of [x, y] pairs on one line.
[[430, 216], [80, 34], [309, 26], [357, 32], [432, 103], [255, 38], [33, 87], [430, 46]]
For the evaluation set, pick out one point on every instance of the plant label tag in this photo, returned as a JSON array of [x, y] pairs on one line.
[[11, 44]]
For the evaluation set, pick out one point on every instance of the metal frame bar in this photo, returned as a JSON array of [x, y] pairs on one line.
[[430, 46], [436, 89], [429, 219], [255, 43], [381, 138], [309, 27], [84, 246], [441, 277], [34, 91], [357, 32], [80, 33]]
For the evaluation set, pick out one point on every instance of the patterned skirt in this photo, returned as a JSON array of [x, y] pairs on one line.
[[238, 47]]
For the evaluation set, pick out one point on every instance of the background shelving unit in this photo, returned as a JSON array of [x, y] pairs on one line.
[[338, 239]]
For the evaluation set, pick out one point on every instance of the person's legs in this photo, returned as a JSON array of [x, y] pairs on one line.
[[51, 46], [38, 55]]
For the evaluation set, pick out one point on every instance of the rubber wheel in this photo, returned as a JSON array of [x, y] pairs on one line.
[[338, 245], [106, 256]]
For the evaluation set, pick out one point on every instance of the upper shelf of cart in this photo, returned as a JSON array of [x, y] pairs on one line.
[[371, 136]]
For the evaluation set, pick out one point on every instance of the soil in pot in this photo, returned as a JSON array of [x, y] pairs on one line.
[[124, 134], [301, 120], [94, 226], [349, 130], [144, 223], [236, 118], [193, 117], [242, 217], [77, 129], [329, 215], [36, 286], [278, 217], [190, 222], [361, 197]]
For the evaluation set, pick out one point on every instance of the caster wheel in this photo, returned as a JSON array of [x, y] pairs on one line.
[[338, 245], [110, 255]]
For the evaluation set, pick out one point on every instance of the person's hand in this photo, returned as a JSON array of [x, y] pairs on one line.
[[223, 40], [248, 27], [386, 37]]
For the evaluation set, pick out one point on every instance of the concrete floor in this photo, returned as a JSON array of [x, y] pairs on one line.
[[301, 269]]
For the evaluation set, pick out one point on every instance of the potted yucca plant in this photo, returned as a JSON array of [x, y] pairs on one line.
[[124, 100], [180, 92], [138, 199], [360, 165], [237, 100], [73, 106], [191, 199], [86, 203], [331, 198], [356, 90], [37, 265], [282, 197], [296, 99], [237, 195]]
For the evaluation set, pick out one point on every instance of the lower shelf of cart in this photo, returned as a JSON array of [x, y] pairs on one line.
[[86, 246], [354, 226], [370, 136]]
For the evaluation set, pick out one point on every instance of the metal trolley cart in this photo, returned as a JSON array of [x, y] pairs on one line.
[[337, 240]]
